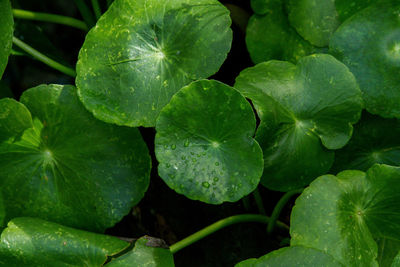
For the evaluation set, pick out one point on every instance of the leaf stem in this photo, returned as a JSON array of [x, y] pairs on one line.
[[219, 225], [85, 12], [96, 9], [29, 15], [46, 60], [279, 206], [259, 202]]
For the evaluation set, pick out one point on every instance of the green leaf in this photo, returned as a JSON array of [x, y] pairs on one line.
[[271, 37], [15, 118], [369, 44], [6, 33], [298, 256], [347, 8], [204, 143], [261, 7], [69, 167], [142, 52], [149, 252], [35, 242], [315, 20], [375, 140], [343, 215], [304, 110]]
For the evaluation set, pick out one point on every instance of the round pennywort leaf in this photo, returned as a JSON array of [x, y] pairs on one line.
[[204, 143], [140, 53], [6, 33]]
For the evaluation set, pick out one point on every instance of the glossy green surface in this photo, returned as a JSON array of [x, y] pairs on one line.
[[6, 33], [343, 215], [374, 140], [369, 44], [34, 242], [296, 256], [305, 109], [69, 167], [315, 20], [205, 144], [146, 252], [141, 52]]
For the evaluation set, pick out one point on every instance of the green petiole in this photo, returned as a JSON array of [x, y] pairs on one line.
[[46, 60], [29, 15], [222, 224]]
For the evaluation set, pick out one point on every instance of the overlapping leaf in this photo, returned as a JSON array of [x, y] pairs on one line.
[[298, 256], [346, 214], [375, 140], [304, 110], [147, 252], [204, 143], [66, 166], [34, 242], [142, 52], [369, 44]]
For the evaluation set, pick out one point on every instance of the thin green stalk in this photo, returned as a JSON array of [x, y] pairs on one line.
[[85, 12], [96, 9], [259, 202], [46, 60], [279, 206], [25, 14], [219, 225]]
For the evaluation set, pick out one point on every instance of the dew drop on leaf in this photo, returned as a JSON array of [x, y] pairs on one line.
[[173, 147], [205, 184], [217, 163], [186, 144]]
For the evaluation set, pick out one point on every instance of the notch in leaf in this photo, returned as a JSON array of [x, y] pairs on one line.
[[141, 53], [205, 144], [306, 111]]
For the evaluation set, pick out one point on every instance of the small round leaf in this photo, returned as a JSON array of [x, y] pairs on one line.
[[369, 44], [204, 143], [69, 167], [298, 256], [15, 118], [140, 53], [35, 242], [304, 110], [344, 215], [6, 33]]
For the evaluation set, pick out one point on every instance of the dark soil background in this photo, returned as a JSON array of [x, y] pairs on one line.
[[162, 213]]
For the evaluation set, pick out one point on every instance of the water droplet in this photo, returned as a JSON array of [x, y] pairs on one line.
[[239, 185], [167, 165], [217, 163], [173, 147], [205, 184], [194, 160], [183, 157], [186, 144], [215, 179], [191, 153], [165, 146], [171, 176]]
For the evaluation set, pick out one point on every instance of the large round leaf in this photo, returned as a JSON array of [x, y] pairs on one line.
[[6, 33], [270, 37], [369, 44], [375, 140], [347, 8], [69, 167], [297, 256], [204, 143], [35, 242], [304, 110], [142, 52], [147, 252], [315, 20], [343, 215]]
